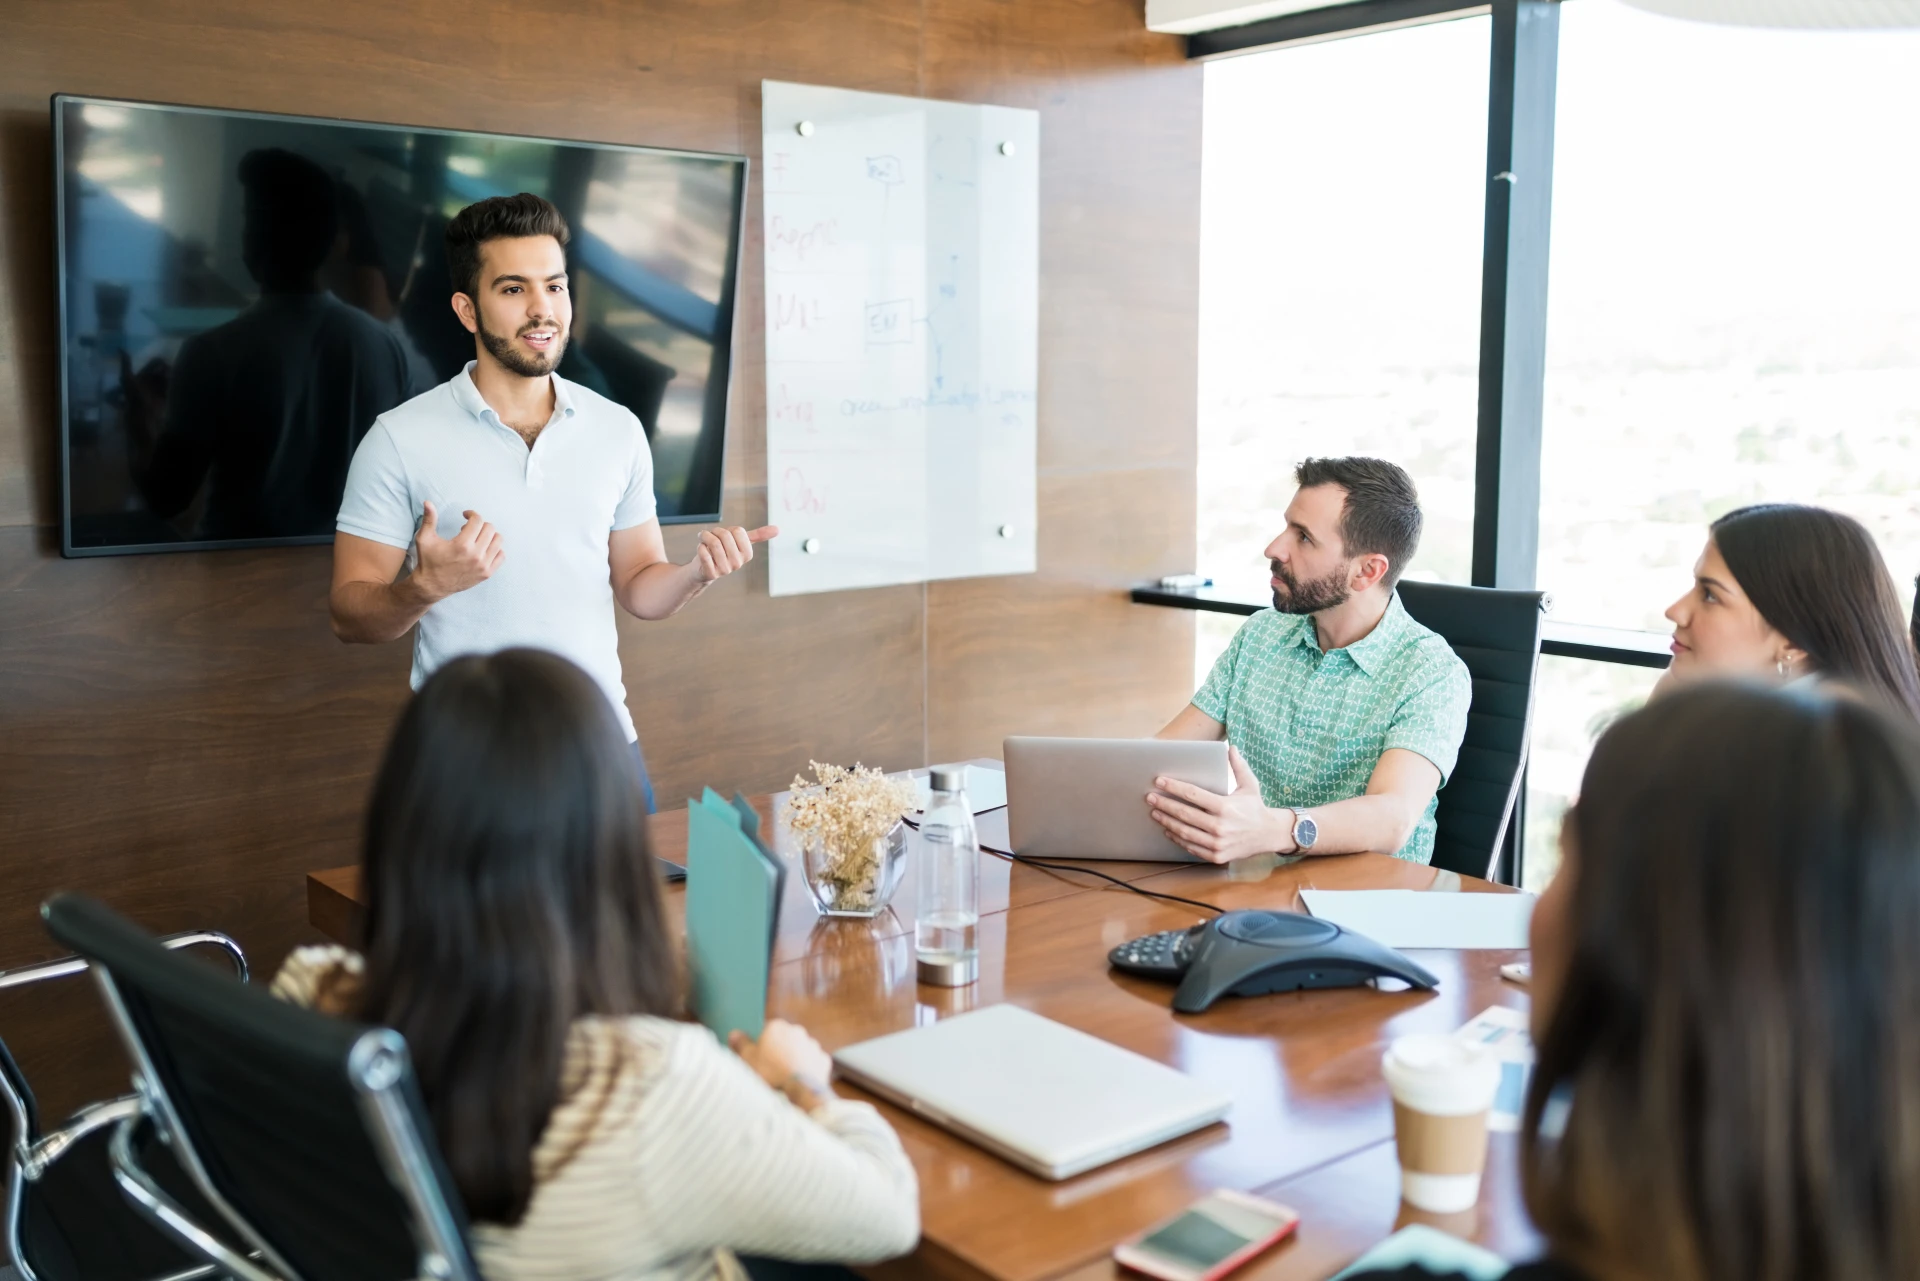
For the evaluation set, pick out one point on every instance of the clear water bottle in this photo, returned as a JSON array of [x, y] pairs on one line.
[[945, 936]]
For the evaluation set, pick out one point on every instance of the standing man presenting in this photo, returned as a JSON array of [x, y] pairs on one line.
[[1342, 715], [509, 506]]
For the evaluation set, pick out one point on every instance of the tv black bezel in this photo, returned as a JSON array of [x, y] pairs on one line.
[[729, 296]]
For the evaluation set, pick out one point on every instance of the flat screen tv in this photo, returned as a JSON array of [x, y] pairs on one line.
[[200, 253]]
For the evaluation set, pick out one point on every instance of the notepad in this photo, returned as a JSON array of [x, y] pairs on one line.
[[734, 889], [1413, 918], [1433, 1250]]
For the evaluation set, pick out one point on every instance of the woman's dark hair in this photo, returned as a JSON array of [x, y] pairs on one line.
[[510, 891], [497, 218], [1817, 578], [1735, 1047]]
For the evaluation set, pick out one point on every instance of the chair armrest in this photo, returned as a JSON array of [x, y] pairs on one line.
[[63, 966], [36, 1157], [211, 938]]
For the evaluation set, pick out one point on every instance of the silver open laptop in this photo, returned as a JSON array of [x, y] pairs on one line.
[[1052, 1100], [1087, 797]]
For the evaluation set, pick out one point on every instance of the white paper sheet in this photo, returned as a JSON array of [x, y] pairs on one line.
[[1415, 918]]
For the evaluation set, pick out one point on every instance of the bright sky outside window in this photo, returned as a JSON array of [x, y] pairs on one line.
[[1734, 309], [1342, 213], [1734, 317]]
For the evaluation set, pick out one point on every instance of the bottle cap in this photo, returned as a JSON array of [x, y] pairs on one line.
[[949, 778]]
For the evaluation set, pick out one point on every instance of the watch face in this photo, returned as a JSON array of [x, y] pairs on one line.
[[1305, 832]]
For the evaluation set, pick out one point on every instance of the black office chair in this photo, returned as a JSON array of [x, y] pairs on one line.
[[65, 1218], [305, 1133], [1497, 635]]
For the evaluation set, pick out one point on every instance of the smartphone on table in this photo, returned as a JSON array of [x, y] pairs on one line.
[[1215, 1235]]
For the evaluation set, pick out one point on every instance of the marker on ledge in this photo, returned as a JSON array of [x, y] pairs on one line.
[[1184, 582]]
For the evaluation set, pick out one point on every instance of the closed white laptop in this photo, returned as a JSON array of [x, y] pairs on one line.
[[1050, 1099], [1087, 797]]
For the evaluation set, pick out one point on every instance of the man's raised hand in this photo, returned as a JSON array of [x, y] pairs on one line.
[[449, 565], [726, 549], [1219, 829]]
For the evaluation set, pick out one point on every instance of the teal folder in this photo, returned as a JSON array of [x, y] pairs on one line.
[[734, 887], [1433, 1250]]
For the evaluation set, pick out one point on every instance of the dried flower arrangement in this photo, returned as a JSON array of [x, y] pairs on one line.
[[847, 812]]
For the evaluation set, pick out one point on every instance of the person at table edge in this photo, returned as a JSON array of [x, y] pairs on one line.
[[1343, 716], [554, 484]]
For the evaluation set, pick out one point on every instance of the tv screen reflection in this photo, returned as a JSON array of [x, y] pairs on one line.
[[244, 294]]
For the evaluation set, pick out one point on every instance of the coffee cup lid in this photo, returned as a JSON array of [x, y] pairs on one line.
[[1441, 1074]]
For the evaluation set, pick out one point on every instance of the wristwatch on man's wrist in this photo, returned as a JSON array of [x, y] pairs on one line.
[[1305, 831]]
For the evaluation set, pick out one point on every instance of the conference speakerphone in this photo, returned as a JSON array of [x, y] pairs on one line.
[[1252, 953]]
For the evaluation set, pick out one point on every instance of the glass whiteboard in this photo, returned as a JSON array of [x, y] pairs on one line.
[[902, 242]]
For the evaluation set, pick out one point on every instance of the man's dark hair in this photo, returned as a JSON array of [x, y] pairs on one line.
[[1381, 514], [289, 219], [497, 218]]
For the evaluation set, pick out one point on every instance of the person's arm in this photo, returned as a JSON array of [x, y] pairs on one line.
[[371, 602], [650, 586], [1222, 829], [807, 1176], [1421, 743], [1194, 725]]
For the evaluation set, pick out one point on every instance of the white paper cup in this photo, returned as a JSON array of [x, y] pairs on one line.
[[1442, 1090]]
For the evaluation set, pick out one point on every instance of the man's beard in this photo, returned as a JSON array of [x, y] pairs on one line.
[[502, 349], [1313, 595]]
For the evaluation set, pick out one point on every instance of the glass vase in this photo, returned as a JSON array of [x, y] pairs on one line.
[[855, 882]]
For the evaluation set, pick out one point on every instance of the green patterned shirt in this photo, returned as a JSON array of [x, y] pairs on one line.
[[1313, 725]]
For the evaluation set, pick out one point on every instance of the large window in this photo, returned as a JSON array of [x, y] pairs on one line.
[[1733, 317], [1733, 302], [1734, 309], [1341, 222]]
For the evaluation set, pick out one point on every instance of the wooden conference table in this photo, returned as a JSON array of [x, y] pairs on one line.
[[1311, 1125]]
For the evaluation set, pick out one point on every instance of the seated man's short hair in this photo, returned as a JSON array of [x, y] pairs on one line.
[[1381, 515]]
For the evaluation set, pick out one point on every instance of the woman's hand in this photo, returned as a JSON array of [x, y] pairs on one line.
[[789, 1060]]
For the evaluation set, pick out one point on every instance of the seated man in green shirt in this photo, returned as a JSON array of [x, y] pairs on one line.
[[1342, 715]]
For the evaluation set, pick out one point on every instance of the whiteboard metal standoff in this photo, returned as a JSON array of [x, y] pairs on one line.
[[1006, 148], [810, 546], [804, 128], [1005, 531]]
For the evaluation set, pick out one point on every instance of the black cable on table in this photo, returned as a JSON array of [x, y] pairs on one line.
[[1030, 861]]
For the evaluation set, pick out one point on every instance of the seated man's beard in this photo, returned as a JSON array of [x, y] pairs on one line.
[[503, 350], [1313, 595]]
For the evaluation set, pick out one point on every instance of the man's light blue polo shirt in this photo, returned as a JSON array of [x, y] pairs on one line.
[[1313, 725], [589, 473]]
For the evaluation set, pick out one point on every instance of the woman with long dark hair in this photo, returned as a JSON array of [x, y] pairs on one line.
[[514, 936], [1726, 999], [1785, 592]]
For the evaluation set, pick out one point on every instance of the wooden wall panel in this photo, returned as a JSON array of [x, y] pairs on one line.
[[181, 734], [1064, 651]]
